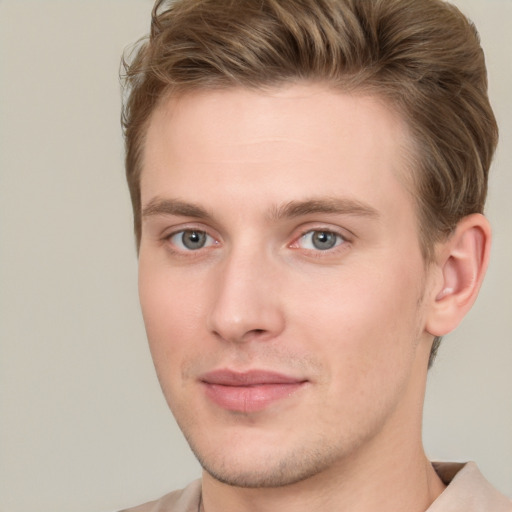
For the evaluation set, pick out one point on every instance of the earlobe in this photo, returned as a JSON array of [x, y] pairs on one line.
[[462, 260]]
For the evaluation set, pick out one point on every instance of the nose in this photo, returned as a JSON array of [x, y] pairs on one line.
[[245, 304]]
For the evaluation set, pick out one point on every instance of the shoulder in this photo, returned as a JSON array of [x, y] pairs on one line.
[[467, 490], [183, 500]]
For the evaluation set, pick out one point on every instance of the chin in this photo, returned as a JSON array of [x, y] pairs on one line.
[[267, 467]]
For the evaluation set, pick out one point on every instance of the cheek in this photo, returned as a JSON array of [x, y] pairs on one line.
[[170, 309], [365, 335], [364, 322]]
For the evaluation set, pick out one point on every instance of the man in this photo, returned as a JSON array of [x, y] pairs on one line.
[[308, 180]]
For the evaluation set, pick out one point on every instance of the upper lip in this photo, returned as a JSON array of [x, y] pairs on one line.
[[227, 377]]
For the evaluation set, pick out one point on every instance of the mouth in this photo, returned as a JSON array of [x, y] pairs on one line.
[[250, 391]]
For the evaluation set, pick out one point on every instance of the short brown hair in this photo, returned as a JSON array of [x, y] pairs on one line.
[[422, 56]]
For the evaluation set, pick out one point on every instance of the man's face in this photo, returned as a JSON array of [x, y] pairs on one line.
[[281, 279]]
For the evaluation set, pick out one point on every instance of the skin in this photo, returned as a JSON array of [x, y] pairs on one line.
[[259, 173]]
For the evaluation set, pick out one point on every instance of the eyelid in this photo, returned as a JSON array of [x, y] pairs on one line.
[[169, 234], [343, 234], [174, 238], [309, 237]]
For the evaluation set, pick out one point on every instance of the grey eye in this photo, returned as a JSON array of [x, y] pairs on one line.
[[320, 240], [191, 240]]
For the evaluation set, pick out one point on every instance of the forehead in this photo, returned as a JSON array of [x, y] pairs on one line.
[[282, 143]]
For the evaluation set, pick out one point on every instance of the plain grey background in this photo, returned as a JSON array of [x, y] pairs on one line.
[[83, 425]]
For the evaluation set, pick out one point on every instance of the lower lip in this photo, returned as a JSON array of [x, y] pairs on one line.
[[249, 398]]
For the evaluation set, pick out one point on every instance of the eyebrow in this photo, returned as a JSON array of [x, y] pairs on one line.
[[292, 209], [159, 206], [329, 205]]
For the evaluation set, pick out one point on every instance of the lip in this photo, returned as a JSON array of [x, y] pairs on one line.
[[249, 391]]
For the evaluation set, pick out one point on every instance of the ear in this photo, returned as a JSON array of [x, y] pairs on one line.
[[462, 261]]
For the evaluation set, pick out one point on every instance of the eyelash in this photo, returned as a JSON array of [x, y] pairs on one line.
[[169, 238], [339, 242]]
